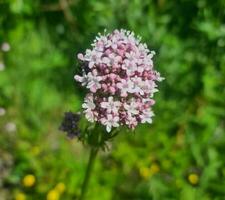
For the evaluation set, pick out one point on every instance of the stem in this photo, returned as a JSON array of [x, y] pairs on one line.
[[93, 154]]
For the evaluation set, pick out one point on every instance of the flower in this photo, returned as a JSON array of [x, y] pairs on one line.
[[29, 180], [2, 111], [146, 116], [93, 81], [147, 172], [88, 102], [89, 107], [110, 121], [132, 107], [70, 124], [53, 195], [5, 46], [110, 105], [20, 196], [83, 79], [154, 168], [125, 86], [119, 76], [144, 172], [193, 178], [60, 187], [10, 127], [2, 66]]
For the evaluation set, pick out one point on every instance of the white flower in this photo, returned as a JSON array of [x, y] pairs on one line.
[[89, 105], [147, 87], [143, 49], [111, 106], [147, 62], [132, 108], [105, 41], [10, 127], [101, 40], [93, 81], [90, 115], [131, 57], [146, 116], [110, 121], [130, 67], [114, 42], [126, 86], [88, 102], [93, 57], [158, 77], [137, 82], [2, 111], [83, 79], [131, 121], [5, 47], [111, 59], [2, 66], [130, 37], [101, 43]]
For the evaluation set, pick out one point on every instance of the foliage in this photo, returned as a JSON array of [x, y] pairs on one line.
[[180, 156]]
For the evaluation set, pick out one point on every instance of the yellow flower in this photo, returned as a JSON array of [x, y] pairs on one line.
[[53, 195], [29, 180], [144, 172], [193, 179], [60, 187], [20, 196], [154, 168]]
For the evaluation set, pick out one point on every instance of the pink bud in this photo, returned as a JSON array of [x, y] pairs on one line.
[[112, 90]]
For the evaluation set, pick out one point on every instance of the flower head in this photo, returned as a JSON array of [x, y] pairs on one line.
[[20, 196], [193, 178], [53, 195], [29, 180], [5, 46], [118, 73]]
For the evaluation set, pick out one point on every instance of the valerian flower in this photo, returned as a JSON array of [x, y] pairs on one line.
[[120, 80], [118, 73], [110, 105]]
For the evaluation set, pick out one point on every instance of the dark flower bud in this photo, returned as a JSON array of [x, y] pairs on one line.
[[70, 124]]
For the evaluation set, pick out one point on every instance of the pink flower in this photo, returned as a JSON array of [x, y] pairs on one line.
[[110, 121], [132, 107], [89, 102], [125, 86], [89, 107], [93, 81], [90, 115], [131, 122], [118, 73], [111, 59], [146, 116], [83, 79], [110, 105], [93, 57]]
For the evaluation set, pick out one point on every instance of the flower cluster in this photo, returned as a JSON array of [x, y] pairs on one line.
[[118, 72], [70, 124]]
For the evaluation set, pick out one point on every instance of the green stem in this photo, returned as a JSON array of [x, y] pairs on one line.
[[93, 154]]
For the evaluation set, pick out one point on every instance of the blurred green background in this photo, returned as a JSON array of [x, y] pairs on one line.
[[180, 156]]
